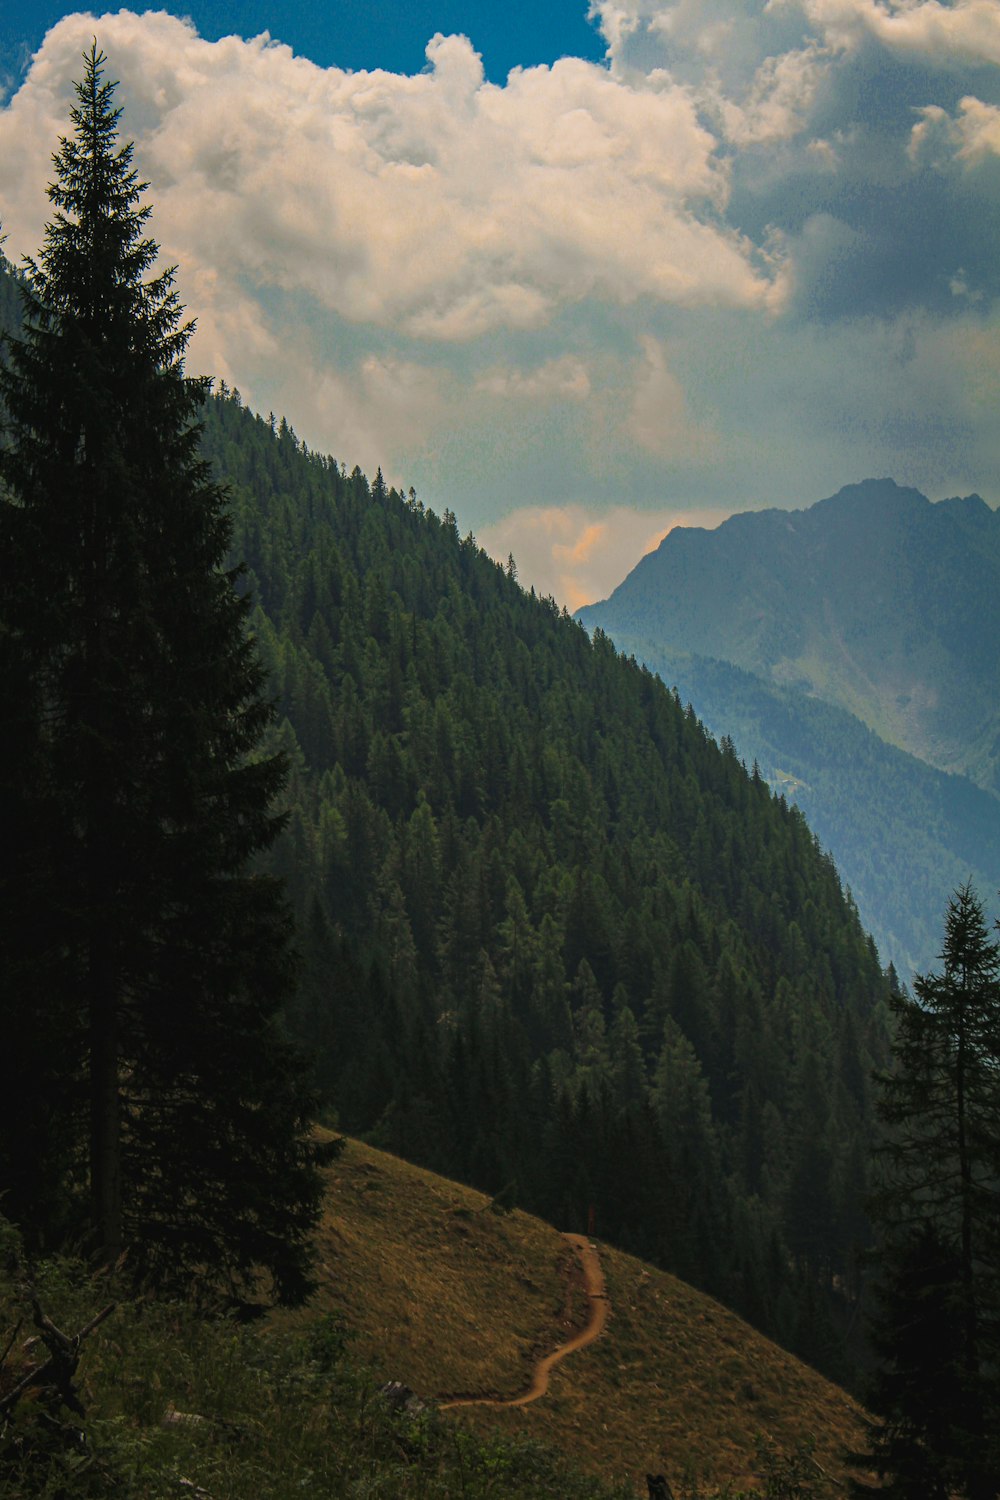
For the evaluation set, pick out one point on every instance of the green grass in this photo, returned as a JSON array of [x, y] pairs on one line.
[[452, 1299], [176, 1404]]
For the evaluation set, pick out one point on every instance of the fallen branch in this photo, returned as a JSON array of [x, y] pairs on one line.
[[10, 1343], [55, 1373]]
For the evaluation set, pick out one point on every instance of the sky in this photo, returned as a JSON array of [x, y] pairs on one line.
[[578, 274]]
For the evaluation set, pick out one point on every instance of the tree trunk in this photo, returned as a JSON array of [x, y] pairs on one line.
[[105, 1122]]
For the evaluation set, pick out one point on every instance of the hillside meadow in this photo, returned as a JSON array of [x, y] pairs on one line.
[[452, 1298]]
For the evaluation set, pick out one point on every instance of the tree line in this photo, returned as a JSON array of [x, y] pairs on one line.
[[935, 1325]]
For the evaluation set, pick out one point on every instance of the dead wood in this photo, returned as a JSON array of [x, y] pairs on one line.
[[54, 1376]]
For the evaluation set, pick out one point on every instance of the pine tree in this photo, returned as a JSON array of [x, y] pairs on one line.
[[937, 1215], [148, 962]]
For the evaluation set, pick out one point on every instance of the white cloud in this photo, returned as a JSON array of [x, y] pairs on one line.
[[756, 74], [438, 204], [823, 154], [336, 232], [563, 378], [736, 36], [979, 130], [966, 32], [578, 554], [754, 87], [659, 419], [538, 292], [971, 136], [619, 21], [778, 102]]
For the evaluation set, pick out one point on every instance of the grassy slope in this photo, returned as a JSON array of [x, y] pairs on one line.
[[450, 1298]]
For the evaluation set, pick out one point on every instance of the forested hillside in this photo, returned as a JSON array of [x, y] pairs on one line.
[[555, 941], [316, 821]]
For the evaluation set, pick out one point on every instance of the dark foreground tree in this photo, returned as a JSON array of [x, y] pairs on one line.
[[937, 1211], [151, 1100]]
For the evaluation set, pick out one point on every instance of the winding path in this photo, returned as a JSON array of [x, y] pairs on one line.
[[593, 1280]]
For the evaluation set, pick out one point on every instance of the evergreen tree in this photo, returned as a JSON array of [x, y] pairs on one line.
[[148, 963], [937, 1213]]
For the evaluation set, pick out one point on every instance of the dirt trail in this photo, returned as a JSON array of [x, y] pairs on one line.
[[593, 1280]]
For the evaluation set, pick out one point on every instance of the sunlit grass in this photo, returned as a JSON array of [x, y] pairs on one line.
[[451, 1298]]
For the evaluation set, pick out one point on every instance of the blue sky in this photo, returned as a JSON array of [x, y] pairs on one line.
[[356, 34], [579, 275]]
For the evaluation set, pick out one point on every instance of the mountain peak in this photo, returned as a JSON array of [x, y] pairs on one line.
[[874, 598], [971, 509], [869, 494]]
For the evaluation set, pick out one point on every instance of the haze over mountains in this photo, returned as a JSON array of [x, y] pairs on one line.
[[875, 599], [792, 631]]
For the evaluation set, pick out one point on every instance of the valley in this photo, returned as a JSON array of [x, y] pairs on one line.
[[845, 649], [555, 942]]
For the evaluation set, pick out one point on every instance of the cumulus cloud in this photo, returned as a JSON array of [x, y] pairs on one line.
[[765, 73], [439, 205], [748, 259], [734, 35], [578, 554], [751, 74], [971, 136], [979, 131], [777, 103], [564, 378], [944, 35]]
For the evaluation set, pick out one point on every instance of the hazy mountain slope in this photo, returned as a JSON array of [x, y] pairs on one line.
[[873, 599], [902, 833], [676, 1383]]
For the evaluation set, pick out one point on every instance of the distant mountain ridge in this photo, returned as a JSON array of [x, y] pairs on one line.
[[902, 833], [875, 599]]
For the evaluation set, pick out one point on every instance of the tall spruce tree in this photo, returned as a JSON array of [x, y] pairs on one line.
[[151, 1095], [937, 1215]]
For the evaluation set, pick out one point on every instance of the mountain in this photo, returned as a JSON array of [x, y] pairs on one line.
[[903, 834], [875, 600]]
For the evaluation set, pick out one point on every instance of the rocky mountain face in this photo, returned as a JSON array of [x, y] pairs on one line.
[[875, 600]]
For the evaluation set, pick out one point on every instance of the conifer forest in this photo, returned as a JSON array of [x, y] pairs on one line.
[[313, 813]]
